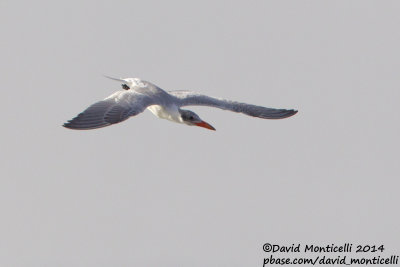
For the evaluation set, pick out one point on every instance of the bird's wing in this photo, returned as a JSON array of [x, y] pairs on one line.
[[188, 98], [115, 108]]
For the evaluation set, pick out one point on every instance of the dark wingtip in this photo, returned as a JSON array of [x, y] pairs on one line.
[[291, 113], [288, 113], [70, 125], [67, 125]]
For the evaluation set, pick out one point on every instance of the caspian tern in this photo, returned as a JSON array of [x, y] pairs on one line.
[[139, 95]]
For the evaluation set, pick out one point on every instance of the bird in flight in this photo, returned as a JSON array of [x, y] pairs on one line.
[[139, 95]]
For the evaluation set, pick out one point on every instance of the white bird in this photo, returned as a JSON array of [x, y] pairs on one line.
[[139, 95]]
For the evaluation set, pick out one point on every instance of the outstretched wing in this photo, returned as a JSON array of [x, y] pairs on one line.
[[187, 98], [115, 108]]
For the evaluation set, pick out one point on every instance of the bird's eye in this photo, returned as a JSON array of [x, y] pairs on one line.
[[191, 118]]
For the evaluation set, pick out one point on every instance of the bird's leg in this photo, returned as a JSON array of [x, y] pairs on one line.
[[124, 86]]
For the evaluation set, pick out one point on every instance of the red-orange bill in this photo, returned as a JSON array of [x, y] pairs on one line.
[[205, 125]]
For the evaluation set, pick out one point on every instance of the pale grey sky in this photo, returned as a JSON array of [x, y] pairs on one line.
[[148, 192]]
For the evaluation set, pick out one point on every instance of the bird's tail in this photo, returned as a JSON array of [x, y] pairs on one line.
[[115, 79]]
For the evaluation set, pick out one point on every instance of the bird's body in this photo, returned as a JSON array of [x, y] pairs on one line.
[[140, 95], [170, 112]]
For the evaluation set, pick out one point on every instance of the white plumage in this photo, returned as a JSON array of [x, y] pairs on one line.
[[139, 95]]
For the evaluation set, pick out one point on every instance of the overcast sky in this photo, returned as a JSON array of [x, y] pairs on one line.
[[148, 192]]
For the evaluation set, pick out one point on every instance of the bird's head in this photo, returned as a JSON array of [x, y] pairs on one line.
[[192, 119]]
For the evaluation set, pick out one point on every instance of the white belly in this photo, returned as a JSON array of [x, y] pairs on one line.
[[169, 113]]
